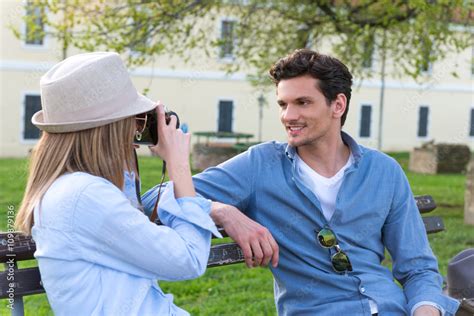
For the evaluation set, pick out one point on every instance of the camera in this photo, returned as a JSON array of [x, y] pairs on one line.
[[147, 127]]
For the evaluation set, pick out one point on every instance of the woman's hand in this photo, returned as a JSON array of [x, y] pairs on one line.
[[173, 147]]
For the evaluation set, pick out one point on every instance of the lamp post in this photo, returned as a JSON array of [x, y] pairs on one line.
[[261, 102]]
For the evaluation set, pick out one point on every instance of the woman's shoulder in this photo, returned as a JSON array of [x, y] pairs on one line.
[[80, 178], [73, 190], [67, 188], [72, 183]]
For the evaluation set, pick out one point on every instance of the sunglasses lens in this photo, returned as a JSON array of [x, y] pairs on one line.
[[326, 238], [340, 262]]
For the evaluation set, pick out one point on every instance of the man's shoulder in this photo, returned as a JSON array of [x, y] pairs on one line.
[[270, 146], [376, 157]]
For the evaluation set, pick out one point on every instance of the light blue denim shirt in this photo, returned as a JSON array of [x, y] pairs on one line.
[[98, 255], [375, 209]]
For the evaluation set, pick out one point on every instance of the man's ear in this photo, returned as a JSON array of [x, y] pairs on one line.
[[339, 105]]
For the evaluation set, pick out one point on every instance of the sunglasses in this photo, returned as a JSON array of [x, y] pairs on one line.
[[340, 261]]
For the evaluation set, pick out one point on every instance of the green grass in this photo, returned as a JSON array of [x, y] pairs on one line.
[[236, 290]]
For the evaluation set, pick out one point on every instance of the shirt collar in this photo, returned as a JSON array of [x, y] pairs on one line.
[[348, 140]]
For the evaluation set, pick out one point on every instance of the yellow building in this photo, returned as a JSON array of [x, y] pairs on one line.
[[209, 100]]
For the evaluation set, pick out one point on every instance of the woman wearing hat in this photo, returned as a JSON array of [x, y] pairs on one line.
[[97, 253]]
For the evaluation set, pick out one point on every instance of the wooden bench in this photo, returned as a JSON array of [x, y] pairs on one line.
[[14, 247]]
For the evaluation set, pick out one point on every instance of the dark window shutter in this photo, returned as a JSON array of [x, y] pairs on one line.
[[225, 116], [423, 121], [32, 105], [365, 120]]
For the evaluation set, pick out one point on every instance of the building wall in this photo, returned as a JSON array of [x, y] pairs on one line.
[[194, 90]]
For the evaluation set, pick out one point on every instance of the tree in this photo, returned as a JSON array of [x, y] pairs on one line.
[[416, 32]]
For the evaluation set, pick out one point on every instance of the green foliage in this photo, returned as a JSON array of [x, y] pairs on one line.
[[237, 290], [414, 33]]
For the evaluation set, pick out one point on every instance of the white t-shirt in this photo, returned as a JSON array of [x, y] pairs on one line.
[[326, 190]]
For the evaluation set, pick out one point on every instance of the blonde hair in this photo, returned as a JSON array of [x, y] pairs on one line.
[[101, 151]]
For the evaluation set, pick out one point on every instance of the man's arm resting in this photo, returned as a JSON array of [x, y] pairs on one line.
[[258, 245]]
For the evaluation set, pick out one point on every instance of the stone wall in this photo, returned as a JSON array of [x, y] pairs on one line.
[[211, 154], [439, 158], [469, 195]]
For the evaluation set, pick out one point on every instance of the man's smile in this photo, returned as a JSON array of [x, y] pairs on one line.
[[295, 130]]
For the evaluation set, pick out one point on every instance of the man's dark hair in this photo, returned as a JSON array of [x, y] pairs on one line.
[[332, 75]]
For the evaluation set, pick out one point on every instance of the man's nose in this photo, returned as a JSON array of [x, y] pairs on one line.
[[290, 113]]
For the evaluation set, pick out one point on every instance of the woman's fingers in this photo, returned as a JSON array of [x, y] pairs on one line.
[[161, 117], [173, 120]]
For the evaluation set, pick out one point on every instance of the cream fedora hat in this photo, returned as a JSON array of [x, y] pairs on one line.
[[86, 91]]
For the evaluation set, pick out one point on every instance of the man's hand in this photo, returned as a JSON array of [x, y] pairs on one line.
[[258, 245], [426, 310]]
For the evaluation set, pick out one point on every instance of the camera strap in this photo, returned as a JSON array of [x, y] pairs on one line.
[[154, 213]]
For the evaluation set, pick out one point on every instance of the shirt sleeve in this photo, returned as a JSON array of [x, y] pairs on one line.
[[414, 264], [230, 182], [109, 231]]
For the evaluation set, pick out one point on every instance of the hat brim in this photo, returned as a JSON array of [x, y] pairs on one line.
[[142, 104]]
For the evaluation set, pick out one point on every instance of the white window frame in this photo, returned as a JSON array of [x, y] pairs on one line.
[[372, 57], [472, 61], [428, 122], [33, 47], [226, 59], [429, 71], [22, 138]]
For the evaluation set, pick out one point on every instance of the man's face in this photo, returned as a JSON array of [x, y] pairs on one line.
[[304, 113]]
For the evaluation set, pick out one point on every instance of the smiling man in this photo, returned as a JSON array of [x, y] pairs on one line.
[[331, 205]]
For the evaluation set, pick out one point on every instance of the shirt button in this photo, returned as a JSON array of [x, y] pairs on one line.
[[362, 289]]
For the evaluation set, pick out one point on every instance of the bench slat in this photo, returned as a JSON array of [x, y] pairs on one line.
[[225, 254], [425, 203], [433, 224], [26, 282]]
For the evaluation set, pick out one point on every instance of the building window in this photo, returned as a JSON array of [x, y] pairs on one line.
[[365, 120], [426, 65], [423, 114], [34, 32], [471, 126], [472, 61], [226, 109], [32, 105], [368, 55], [227, 41]]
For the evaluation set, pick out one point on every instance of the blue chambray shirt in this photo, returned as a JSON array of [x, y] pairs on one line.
[[99, 255], [375, 209]]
